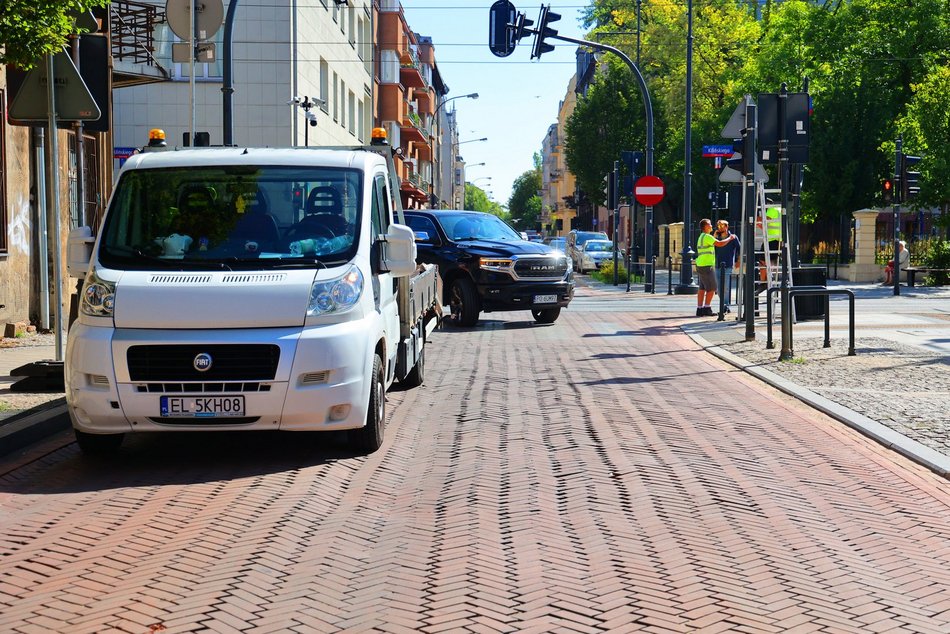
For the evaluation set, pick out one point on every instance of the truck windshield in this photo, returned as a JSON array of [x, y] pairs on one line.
[[477, 226], [235, 216]]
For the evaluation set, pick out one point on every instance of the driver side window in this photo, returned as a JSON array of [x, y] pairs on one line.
[[380, 207]]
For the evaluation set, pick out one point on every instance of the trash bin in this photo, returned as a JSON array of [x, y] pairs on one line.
[[807, 308]]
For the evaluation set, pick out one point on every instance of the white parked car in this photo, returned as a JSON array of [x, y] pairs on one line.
[[595, 253]]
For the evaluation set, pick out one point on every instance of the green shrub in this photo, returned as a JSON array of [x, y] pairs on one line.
[[606, 273], [938, 257]]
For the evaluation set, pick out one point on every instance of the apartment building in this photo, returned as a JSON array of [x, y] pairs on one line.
[[409, 91], [282, 49], [558, 185]]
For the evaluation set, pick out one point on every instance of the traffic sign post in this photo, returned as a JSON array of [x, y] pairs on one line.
[[649, 190]]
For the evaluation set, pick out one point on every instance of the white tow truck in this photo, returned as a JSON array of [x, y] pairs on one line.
[[247, 289]]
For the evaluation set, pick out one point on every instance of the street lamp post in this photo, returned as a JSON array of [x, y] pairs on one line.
[[456, 160], [435, 117]]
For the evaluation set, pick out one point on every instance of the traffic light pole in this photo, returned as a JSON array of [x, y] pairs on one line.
[[686, 286], [898, 196], [784, 176], [648, 107]]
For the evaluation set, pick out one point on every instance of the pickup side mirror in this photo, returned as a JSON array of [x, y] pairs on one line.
[[79, 251], [423, 237], [400, 251]]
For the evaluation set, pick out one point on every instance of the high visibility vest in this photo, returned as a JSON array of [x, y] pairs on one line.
[[773, 224], [705, 250]]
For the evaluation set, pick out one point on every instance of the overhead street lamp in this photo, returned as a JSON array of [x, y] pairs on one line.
[[435, 117], [471, 95]]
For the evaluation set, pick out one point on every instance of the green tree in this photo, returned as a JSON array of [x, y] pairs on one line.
[[608, 120], [30, 29], [524, 204], [477, 200], [926, 129]]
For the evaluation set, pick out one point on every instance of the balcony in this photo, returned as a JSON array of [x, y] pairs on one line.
[[410, 73], [133, 43], [413, 129]]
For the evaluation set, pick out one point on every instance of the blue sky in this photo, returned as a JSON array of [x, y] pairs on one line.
[[518, 100]]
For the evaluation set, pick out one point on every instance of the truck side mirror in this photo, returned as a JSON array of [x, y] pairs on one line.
[[79, 251], [423, 237], [400, 251]]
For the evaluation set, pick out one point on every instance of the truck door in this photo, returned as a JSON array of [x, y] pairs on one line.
[[384, 284]]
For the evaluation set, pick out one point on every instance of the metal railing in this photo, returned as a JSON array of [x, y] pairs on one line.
[[820, 291], [133, 25]]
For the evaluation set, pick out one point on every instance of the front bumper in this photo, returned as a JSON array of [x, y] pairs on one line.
[[318, 368], [521, 296]]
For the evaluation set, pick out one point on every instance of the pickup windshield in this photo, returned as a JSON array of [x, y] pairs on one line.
[[232, 216], [477, 226]]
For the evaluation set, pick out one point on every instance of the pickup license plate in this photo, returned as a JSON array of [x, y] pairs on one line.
[[202, 406], [545, 299]]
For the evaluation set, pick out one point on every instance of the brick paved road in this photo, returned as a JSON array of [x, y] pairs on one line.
[[546, 479]]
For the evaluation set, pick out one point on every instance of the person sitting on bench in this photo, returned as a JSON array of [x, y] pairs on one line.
[[903, 259]]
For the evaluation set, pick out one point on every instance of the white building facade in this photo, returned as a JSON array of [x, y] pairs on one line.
[[281, 49]]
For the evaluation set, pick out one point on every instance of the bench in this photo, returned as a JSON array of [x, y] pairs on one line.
[[912, 272]]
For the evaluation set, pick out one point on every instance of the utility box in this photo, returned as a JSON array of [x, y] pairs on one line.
[[808, 308]]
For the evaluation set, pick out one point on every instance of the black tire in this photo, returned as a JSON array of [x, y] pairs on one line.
[[369, 438], [546, 315], [418, 373], [463, 299], [98, 444]]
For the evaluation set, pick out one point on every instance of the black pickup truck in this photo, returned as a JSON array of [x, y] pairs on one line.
[[486, 266]]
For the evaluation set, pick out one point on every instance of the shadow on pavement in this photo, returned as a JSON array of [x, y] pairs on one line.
[[155, 459]]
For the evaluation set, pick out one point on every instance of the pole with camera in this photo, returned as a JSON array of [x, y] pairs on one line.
[[306, 104]]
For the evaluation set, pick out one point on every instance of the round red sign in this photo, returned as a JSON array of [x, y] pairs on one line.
[[649, 190]]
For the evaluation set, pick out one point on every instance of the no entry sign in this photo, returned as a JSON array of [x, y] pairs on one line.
[[649, 190]]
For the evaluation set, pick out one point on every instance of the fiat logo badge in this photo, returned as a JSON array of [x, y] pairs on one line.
[[202, 362]]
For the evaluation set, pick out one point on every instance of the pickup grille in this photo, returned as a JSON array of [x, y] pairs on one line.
[[541, 268], [229, 362]]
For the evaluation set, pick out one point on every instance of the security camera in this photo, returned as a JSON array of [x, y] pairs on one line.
[[312, 118], [296, 99]]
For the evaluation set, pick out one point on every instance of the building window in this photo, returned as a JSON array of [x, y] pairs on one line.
[[336, 97], [352, 14], [324, 85], [3, 174], [343, 103], [352, 114], [362, 120]]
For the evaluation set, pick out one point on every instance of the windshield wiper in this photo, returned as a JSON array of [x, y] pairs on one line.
[[114, 251]]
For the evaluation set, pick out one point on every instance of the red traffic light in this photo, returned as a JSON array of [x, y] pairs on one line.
[[888, 189]]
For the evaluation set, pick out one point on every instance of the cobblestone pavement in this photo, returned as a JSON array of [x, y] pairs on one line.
[[903, 387], [597, 475]]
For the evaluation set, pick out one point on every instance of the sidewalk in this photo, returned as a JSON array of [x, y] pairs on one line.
[[896, 388], [27, 416]]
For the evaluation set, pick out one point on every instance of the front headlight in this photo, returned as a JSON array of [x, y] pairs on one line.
[[98, 296], [500, 265], [337, 295]]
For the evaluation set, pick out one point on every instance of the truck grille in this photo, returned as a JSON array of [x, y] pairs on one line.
[[229, 362], [541, 268]]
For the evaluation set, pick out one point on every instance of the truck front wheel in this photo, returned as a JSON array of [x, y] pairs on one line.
[[369, 438], [546, 315], [463, 299], [98, 444]]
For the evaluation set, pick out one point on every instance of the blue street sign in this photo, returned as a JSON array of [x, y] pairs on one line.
[[710, 151], [123, 152]]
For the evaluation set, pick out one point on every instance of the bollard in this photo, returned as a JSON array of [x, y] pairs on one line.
[[669, 278], [722, 286], [653, 276]]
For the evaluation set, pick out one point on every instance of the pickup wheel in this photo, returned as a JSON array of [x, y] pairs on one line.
[[417, 374], [369, 438], [463, 299], [546, 315], [98, 444]]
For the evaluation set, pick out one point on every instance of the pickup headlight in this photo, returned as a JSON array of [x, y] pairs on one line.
[[337, 295], [98, 296], [500, 265]]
